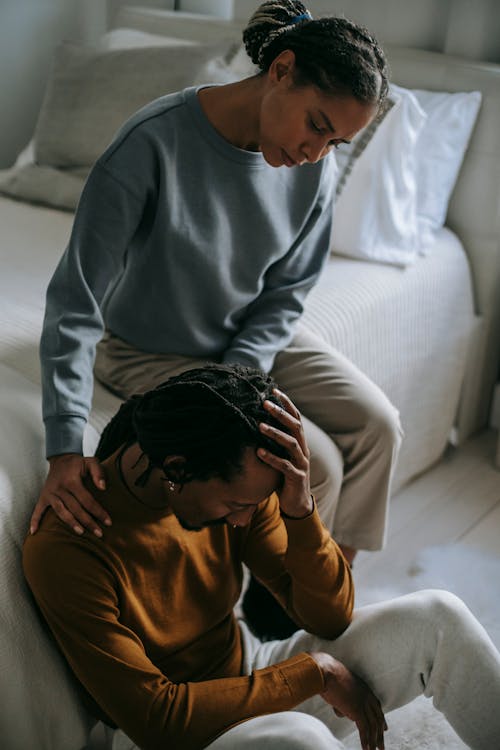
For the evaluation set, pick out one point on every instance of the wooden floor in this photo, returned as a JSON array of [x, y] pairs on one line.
[[458, 500]]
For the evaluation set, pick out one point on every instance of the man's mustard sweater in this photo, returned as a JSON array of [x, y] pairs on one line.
[[145, 616]]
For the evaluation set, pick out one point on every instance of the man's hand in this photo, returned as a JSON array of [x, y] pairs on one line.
[[295, 495], [350, 696], [66, 493]]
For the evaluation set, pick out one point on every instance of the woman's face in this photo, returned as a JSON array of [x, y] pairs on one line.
[[301, 124]]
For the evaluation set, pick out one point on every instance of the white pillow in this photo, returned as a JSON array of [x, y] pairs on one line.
[[228, 68], [441, 148], [375, 214], [27, 155], [129, 38], [437, 156]]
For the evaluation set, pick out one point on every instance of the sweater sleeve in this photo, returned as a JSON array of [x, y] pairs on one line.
[[268, 326], [80, 604], [107, 217], [300, 563]]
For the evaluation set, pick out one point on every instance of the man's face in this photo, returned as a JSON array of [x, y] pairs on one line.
[[214, 501]]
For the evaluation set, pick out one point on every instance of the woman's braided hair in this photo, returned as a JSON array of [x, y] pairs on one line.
[[208, 415], [333, 53]]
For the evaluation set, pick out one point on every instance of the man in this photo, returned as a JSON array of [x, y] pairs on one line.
[[206, 473]]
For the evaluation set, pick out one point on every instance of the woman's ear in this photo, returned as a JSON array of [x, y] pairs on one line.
[[282, 66], [174, 468]]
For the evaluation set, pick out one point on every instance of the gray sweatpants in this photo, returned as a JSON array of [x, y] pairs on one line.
[[352, 429], [423, 643]]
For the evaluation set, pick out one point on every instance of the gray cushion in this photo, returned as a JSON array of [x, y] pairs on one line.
[[90, 94], [60, 188]]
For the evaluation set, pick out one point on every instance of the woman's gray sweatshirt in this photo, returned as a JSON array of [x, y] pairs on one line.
[[183, 244]]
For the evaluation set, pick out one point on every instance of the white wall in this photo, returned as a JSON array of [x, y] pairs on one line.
[[219, 8], [468, 28], [29, 32], [31, 29]]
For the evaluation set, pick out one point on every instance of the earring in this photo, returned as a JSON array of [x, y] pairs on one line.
[[171, 485]]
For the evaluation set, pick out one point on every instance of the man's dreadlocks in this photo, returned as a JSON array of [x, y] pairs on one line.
[[207, 415]]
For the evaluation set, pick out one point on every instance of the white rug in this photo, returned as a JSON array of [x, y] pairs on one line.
[[475, 578]]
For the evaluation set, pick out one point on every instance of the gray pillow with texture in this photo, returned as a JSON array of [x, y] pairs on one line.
[[60, 188], [91, 93]]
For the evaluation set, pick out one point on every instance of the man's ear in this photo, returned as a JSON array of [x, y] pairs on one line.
[[282, 66], [174, 468]]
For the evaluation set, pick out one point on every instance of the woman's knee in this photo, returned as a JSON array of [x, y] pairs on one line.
[[327, 470], [384, 425]]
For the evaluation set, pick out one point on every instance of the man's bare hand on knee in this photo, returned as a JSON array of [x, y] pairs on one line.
[[350, 696]]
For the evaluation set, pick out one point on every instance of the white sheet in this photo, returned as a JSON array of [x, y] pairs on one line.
[[407, 329], [40, 708], [32, 241]]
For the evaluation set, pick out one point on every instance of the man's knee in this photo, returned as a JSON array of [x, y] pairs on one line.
[[444, 609], [290, 730], [305, 732], [299, 731]]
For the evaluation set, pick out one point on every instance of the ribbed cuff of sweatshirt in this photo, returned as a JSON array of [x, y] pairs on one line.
[[303, 677], [307, 531], [64, 435]]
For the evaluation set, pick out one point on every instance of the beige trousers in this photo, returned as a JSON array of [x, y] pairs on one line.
[[352, 429]]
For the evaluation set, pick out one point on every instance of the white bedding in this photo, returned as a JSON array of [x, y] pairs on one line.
[[33, 239], [406, 328], [399, 326], [395, 324], [31, 665]]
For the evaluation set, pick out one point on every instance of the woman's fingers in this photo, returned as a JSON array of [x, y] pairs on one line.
[[67, 505], [65, 491]]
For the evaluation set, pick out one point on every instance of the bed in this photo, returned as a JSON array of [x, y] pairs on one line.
[[424, 329]]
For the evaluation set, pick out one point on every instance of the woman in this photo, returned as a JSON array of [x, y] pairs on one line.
[[198, 235]]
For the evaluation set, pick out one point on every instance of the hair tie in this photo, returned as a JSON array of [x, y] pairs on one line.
[[303, 17]]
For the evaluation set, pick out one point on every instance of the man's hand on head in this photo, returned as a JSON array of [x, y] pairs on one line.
[[65, 492], [295, 494]]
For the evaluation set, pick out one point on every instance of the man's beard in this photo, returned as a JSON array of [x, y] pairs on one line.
[[188, 527]]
